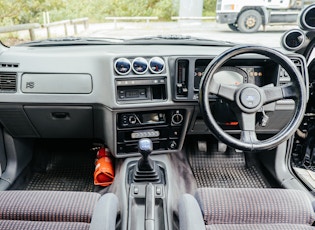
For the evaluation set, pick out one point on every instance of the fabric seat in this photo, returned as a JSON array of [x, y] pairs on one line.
[[234, 209], [52, 210]]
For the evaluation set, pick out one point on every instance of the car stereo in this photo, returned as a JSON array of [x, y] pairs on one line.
[[163, 127]]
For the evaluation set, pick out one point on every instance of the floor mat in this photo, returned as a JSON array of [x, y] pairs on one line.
[[62, 170], [222, 170], [64, 175]]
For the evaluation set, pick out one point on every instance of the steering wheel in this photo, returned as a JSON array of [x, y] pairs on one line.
[[248, 99]]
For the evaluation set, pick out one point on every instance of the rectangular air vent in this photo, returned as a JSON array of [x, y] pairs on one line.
[[284, 76], [182, 78], [9, 65], [7, 82]]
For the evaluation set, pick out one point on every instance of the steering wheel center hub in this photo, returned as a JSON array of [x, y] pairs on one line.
[[250, 98]]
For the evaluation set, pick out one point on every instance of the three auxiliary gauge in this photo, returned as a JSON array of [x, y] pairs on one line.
[[139, 65]]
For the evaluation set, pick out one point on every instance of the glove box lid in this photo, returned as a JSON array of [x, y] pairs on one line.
[[61, 121]]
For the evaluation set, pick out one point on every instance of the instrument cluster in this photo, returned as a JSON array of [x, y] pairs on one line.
[[230, 75]]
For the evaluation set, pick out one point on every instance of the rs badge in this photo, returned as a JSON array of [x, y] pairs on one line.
[[30, 85]]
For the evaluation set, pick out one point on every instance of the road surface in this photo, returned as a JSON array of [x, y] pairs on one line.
[[211, 30], [204, 29]]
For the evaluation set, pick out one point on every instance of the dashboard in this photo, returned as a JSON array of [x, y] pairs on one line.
[[120, 93]]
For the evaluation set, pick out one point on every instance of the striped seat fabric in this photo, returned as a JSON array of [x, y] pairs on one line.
[[259, 227], [46, 209], [41, 225], [255, 208]]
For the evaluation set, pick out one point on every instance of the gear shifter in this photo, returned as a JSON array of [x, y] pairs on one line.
[[146, 170], [145, 147]]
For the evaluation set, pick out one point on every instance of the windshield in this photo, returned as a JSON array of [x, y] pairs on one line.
[[114, 21]]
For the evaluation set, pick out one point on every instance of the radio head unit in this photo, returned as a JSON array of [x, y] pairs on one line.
[[141, 119]]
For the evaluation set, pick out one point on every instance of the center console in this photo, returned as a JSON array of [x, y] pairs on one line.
[[147, 191], [163, 127]]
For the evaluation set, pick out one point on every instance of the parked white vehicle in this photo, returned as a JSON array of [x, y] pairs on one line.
[[247, 16]]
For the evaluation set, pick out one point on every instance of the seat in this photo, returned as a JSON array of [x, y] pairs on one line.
[[47, 210], [242, 209]]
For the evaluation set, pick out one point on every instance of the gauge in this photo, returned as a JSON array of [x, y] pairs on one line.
[[140, 65], [122, 66], [229, 76], [156, 65]]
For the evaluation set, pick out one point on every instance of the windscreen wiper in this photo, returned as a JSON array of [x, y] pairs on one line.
[[165, 37], [181, 39], [149, 40]]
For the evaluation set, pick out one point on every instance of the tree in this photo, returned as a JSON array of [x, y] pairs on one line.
[[25, 11], [209, 7]]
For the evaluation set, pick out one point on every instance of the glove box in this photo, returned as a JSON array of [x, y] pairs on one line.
[[61, 121]]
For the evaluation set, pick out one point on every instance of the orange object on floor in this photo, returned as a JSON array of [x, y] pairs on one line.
[[104, 173]]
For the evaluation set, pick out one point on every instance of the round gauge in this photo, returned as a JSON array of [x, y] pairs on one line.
[[156, 65], [140, 65], [122, 66]]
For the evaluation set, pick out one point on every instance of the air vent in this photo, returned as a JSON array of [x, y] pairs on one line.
[[284, 76], [7, 82], [9, 65], [306, 20], [182, 78], [294, 40]]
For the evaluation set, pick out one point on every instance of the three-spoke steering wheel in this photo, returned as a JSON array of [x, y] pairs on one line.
[[248, 99]]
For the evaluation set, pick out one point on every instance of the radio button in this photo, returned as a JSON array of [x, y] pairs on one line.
[[132, 119], [145, 134], [173, 145], [177, 118]]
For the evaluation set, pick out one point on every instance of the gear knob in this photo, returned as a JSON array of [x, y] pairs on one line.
[[145, 147], [146, 170]]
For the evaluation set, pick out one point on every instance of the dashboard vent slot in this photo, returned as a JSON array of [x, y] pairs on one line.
[[182, 78], [9, 65], [7, 82]]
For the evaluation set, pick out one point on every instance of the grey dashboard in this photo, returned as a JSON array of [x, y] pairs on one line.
[[77, 92]]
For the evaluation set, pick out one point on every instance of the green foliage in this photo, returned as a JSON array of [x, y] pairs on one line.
[[25, 11], [28, 11], [97, 10], [209, 7]]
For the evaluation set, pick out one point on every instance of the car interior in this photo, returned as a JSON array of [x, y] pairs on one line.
[[165, 132]]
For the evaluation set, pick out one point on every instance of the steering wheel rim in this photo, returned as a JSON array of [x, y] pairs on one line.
[[248, 141]]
